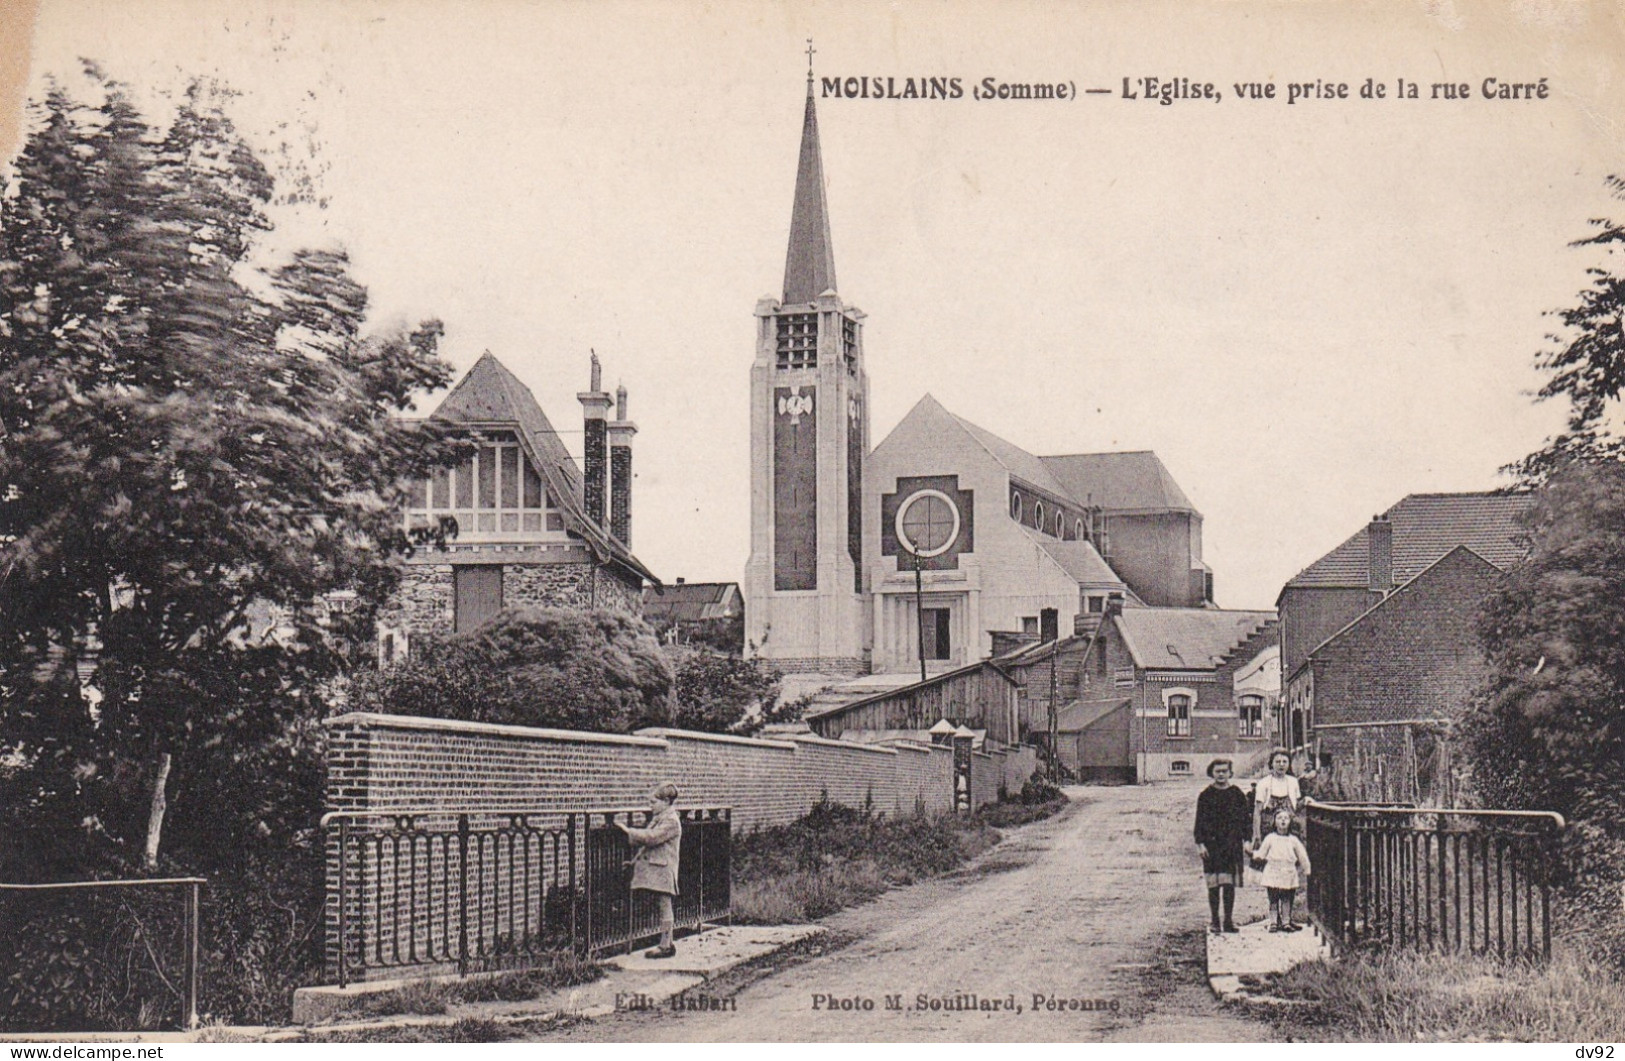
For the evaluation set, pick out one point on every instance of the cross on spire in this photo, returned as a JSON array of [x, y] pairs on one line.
[[810, 51]]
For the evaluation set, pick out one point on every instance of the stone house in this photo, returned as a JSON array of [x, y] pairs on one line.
[[533, 528]]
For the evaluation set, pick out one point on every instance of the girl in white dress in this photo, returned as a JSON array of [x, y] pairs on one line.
[[1285, 862]]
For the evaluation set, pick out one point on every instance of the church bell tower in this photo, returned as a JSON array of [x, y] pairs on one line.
[[809, 436]]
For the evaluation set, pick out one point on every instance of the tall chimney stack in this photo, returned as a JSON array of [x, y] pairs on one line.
[[595, 461], [621, 431], [1380, 542]]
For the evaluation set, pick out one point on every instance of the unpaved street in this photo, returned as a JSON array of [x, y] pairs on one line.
[[1085, 927]]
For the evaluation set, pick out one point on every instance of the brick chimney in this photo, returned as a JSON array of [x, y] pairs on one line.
[[1379, 536], [621, 431], [594, 458]]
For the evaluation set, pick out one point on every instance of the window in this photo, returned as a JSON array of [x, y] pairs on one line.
[[797, 345], [1179, 715], [1029, 625], [928, 523], [1179, 766], [934, 632], [1060, 524], [476, 595], [1250, 716], [495, 491], [1038, 514], [1077, 530], [1097, 605], [1015, 507]]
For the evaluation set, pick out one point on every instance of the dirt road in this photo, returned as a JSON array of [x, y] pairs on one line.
[[1086, 927]]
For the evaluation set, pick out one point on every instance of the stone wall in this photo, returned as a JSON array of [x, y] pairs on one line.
[[552, 578]]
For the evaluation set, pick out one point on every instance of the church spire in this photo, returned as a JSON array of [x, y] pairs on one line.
[[809, 266]]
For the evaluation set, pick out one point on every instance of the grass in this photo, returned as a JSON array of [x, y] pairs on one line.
[[430, 998], [1413, 997], [471, 1030], [836, 857]]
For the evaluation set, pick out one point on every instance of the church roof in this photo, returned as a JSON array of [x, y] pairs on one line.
[[1078, 559], [1126, 482], [809, 264], [489, 395], [1186, 638], [1016, 461], [1425, 528]]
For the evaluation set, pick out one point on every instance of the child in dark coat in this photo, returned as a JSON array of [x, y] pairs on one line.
[[1223, 824]]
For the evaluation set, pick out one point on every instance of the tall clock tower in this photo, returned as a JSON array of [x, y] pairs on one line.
[[805, 604]]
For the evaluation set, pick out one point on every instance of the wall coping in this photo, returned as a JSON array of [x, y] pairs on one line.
[[368, 720], [664, 733], [903, 744], [813, 738]]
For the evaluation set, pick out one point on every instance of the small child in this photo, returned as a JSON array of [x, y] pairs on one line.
[[1282, 857]]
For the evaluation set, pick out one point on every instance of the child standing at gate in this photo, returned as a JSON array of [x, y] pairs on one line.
[[1283, 859], [654, 866]]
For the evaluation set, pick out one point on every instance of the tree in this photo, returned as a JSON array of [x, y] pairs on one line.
[[550, 667], [1548, 733], [1586, 359], [718, 693], [197, 450]]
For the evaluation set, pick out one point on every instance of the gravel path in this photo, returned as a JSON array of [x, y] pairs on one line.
[[1085, 927]]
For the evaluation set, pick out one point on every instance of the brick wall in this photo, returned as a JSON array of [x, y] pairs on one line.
[[1414, 657], [393, 764]]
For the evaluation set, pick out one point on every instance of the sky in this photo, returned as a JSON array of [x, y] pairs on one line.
[[1307, 309]]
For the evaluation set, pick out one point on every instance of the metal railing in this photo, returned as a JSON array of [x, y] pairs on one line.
[[616, 916], [1450, 880], [475, 891], [435, 891], [86, 954]]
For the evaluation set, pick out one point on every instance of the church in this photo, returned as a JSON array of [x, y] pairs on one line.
[[944, 538]]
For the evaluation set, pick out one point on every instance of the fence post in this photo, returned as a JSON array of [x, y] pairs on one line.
[[192, 926], [462, 894], [344, 899], [575, 891]]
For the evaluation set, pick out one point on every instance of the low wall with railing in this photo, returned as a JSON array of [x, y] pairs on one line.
[[1450, 880], [384, 765]]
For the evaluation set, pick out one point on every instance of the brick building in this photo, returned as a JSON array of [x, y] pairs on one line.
[[1380, 630], [533, 529], [1155, 693], [830, 586]]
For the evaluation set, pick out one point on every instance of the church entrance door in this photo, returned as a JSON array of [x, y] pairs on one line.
[[934, 628]]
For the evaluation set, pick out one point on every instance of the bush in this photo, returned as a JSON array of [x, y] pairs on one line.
[[838, 856], [552, 667], [715, 693]]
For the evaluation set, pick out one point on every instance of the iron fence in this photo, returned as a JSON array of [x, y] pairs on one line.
[[119, 955], [436, 891], [477, 892], [1451, 880], [616, 916]]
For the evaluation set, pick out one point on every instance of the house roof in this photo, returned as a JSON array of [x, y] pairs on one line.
[[489, 395], [1425, 528], [1079, 715], [1078, 559], [691, 601], [1186, 638], [1136, 481]]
